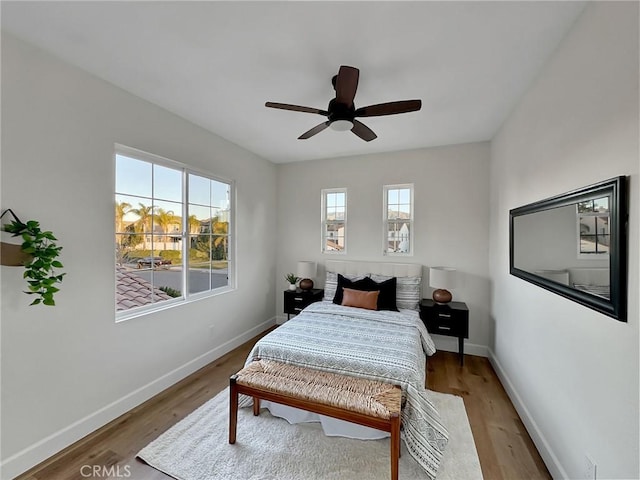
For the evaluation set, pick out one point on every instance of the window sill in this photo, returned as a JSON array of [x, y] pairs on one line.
[[123, 316]]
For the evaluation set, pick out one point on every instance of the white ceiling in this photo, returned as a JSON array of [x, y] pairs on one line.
[[216, 63]]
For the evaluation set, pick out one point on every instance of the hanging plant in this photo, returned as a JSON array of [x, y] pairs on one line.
[[40, 267]]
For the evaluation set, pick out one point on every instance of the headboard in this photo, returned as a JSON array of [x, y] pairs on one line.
[[347, 267]]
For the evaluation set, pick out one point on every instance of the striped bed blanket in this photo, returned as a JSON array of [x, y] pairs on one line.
[[379, 345]]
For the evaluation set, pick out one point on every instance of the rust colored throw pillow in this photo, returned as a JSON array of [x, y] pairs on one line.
[[360, 298]]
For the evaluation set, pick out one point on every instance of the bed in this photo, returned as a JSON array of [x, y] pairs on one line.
[[382, 345]]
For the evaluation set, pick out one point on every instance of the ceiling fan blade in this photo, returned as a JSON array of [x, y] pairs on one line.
[[391, 108], [364, 132], [314, 130], [347, 84], [296, 108]]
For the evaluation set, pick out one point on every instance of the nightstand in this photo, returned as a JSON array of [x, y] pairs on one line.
[[296, 300], [451, 319]]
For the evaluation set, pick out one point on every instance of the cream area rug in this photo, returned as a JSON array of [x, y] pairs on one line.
[[269, 448]]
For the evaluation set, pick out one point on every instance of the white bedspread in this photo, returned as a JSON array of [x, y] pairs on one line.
[[386, 346]]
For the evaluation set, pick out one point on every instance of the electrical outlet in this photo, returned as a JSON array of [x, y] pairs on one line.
[[589, 468], [212, 332]]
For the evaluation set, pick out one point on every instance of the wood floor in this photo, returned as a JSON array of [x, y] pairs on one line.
[[505, 449]]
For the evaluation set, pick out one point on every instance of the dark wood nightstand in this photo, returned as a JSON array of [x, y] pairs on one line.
[[451, 319], [296, 300]]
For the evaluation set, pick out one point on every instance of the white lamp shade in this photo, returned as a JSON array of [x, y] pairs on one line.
[[442, 277], [307, 269]]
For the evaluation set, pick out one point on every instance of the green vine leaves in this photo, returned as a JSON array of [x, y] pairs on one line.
[[40, 270]]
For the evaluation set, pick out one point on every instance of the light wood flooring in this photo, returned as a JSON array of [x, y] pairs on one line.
[[505, 449]]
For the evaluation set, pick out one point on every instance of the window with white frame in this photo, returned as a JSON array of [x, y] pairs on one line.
[[334, 220], [398, 219], [173, 233]]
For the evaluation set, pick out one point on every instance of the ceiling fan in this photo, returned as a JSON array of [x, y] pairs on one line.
[[342, 113]]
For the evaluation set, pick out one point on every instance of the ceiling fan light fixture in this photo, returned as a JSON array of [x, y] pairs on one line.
[[341, 125]]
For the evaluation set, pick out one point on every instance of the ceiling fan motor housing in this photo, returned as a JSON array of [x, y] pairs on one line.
[[340, 111]]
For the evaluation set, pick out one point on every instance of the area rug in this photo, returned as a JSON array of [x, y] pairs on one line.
[[269, 448]]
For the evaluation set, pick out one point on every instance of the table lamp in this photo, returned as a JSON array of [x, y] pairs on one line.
[[306, 270], [442, 279]]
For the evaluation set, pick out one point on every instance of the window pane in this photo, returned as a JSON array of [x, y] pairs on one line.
[[167, 183], [201, 260], [220, 195], [199, 190], [398, 237], [404, 211], [124, 217], [392, 196], [404, 196], [585, 207], [587, 225], [603, 243], [587, 243], [167, 219], [133, 176], [334, 236], [199, 219], [340, 199], [601, 204], [602, 225]]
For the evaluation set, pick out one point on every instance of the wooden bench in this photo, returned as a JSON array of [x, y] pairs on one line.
[[365, 402]]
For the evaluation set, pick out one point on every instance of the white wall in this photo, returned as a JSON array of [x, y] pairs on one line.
[[451, 194], [572, 372], [67, 370]]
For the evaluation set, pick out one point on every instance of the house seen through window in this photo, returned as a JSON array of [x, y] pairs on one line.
[[173, 232]]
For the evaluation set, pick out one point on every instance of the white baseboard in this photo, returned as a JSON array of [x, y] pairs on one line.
[[450, 344], [45, 448], [549, 458]]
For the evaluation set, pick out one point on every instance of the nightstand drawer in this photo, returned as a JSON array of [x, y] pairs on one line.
[[451, 319], [296, 300], [444, 324]]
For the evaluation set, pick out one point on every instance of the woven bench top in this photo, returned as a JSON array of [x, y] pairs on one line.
[[369, 397]]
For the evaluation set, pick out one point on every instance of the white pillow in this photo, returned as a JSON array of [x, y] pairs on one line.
[[408, 290], [331, 284]]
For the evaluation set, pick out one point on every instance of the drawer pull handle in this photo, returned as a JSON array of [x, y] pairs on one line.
[[440, 327], [298, 299], [297, 309], [444, 315]]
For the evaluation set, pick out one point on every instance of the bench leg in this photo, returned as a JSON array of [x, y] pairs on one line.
[[395, 445], [233, 410], [256, 406]]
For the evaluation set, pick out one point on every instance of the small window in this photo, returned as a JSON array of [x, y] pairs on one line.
[[398, 219], [173, 233], [334, 220], [594, 234]]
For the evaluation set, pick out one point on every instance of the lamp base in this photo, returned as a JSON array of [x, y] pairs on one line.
[[442, 296], [306, 284]]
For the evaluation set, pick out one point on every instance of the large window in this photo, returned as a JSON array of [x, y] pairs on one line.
[[398, 219], [173, 233], [334, 220]]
